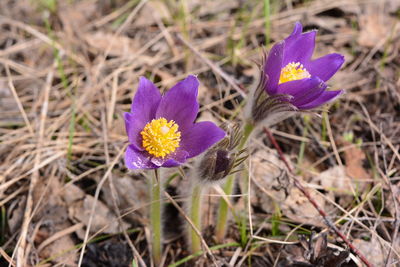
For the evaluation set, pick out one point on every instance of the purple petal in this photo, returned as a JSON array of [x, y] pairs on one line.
[[273, 66], [325, 67], [172, 160], [298, 87], [134, 125], [135, 159], [310, 94], [200, 137], [146, 100], [325, 97], [298, 29], [143, 110], [180, 103], [303, 91], [299, 49]]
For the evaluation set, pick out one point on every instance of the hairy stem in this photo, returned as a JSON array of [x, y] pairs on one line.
[[195, 216], [228, 189], [155, 218]]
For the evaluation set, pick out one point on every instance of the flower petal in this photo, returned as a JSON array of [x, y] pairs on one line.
[[200, 137], [309, 95], [273, 66], [299, 49], [298, 29], [134, 125], [303, 91], [175, 159], [143, 110], [325, 97], [298, 87], [146, 100], [325, 67], [180, 103], [135, 159]]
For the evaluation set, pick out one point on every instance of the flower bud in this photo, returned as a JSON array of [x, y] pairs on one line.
[[222, 159]]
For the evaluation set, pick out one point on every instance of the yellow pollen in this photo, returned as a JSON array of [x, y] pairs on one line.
[[161, 137], [292, 72]]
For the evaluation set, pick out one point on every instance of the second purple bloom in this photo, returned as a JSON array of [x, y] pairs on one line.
[[290, 71]]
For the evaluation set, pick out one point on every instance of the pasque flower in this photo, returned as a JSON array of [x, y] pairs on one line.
[[222, 159], [289, 70], [161, 129]]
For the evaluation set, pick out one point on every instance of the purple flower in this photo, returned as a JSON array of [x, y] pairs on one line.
[[161, 129], [290, 71]]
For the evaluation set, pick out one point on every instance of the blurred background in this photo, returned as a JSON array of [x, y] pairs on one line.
[[69, 70]]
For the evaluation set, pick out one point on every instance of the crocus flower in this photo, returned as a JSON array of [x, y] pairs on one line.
[[289, 70], [161, 129]]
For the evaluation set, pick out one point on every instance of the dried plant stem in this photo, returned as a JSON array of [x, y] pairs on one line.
[[228, 189], [155, 218], [213, 66], [182, 212], [195, 216], [303, 190], [267, 16], [96, 197], [22, 249], [114, 193]]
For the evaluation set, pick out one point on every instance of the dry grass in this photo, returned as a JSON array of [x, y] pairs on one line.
[[69, 72]]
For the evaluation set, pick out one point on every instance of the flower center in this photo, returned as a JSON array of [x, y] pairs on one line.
[[161, 137], [292, 72]]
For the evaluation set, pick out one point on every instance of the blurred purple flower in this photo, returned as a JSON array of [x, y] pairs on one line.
[[161, 129], [289, 70]]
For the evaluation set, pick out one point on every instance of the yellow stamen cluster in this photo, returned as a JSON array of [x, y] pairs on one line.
[[161, 137], [292, 72]]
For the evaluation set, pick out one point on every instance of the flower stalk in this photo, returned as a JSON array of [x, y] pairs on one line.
[[155, 218], [223, 210], [217, 163], [228, 189], [195, 216]]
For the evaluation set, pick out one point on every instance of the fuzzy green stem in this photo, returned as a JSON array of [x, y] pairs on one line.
[[243, 217], [247, 130], [303, 144], [228, 189], [155, 218], [223, 210], [195, 216]]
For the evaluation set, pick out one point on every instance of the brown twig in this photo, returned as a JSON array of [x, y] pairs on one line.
[[323, 214], [137, 257], [21, 250], [213, 66], [394, 194], [182, 212], [96, 197], [392, 190]]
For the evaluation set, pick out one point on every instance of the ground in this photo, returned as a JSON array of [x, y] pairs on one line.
[[69, 72]]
